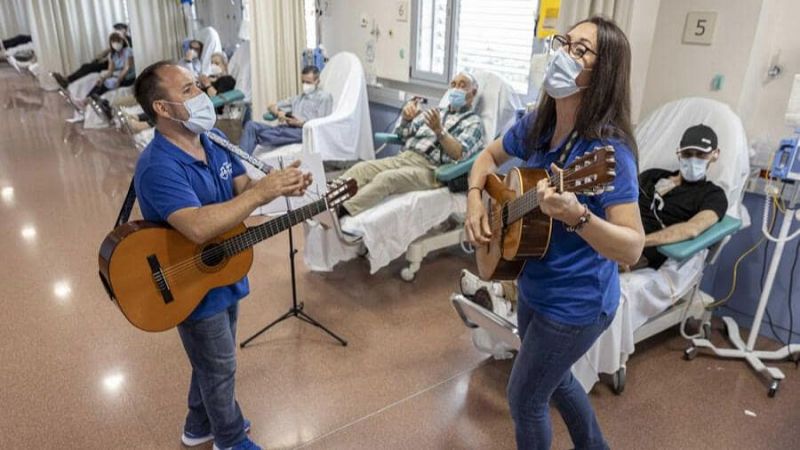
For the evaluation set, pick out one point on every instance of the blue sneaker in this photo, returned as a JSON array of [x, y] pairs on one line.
[[246, 444], [192, 440]]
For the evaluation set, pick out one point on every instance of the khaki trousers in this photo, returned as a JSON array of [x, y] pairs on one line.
[[380, 178]]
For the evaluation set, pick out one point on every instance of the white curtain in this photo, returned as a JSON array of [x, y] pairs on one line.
[[573, 11], [278, 37], [68, 34], [13, 18], [157, 30]]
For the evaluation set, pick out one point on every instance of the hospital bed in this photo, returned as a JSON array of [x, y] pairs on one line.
[[415, 223], [345, 134], [651, 300]]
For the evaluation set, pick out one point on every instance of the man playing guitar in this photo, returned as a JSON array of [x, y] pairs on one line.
[[201, 190]]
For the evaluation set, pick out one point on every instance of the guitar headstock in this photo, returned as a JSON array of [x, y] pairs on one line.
[[339, 191], [590, 174]]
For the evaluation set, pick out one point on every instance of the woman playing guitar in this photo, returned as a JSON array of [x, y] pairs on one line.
[[569, 296]]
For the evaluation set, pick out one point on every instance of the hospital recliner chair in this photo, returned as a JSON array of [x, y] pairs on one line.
[[414, 223], [345, 134], [652, 300]]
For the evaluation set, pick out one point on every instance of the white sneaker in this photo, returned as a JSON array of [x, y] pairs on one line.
[[470, 283], [77, 117], [190, 440]]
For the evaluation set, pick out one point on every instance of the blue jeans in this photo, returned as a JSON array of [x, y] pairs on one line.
[[210, 344], [255, 133], [542, 372]]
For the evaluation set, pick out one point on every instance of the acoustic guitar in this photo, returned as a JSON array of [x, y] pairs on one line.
[[519, 228], [157, 277]]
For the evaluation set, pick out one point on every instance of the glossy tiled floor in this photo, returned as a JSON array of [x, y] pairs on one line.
[[74, 374]]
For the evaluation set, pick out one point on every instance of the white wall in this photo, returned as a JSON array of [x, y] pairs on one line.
[[763, 103], [341, 31]]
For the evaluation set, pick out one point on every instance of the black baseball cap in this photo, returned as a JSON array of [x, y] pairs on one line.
[[699, 137]]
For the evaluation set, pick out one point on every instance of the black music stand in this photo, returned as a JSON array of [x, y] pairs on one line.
[[297, 308]]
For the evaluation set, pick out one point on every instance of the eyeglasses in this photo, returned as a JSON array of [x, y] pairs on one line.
[[575, 49]]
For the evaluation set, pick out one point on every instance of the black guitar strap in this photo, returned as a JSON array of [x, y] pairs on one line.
[[562, 158], [127, 206]]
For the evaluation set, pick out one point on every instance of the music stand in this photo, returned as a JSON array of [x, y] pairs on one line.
[[297, 309]]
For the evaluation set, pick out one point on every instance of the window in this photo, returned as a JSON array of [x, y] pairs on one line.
[[455, 35], [310, 7]]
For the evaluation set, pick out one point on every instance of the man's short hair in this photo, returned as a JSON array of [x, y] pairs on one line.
[[121, 26], [311, 69], [147, 88]]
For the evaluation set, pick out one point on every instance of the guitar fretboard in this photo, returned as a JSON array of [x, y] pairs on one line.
[[256, 234]]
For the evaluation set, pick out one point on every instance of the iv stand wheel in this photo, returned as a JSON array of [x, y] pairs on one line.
[[773, 388], [690, 353], [706, 327], [618, 381]]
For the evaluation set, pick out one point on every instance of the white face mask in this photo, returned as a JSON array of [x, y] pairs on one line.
[[117, 46], [560, 75], [693, 169], [215, 70], [309, 88], [202, 116]]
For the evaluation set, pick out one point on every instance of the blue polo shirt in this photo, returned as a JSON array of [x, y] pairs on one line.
[[168, 179], [573, 284]]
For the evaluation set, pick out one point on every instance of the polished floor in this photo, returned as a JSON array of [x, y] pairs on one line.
[[75, 374]]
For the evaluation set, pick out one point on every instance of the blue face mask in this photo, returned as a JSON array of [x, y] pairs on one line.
[[560, 76], [458, 98], [693, 169]]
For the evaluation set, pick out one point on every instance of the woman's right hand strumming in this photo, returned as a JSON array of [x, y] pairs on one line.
[[477, 224]]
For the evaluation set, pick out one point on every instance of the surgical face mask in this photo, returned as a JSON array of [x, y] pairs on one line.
[[215, 70], [191, 54], [693, 169], [202, 116], [561, 74], [309, 88], [117, 46], [457, 97]]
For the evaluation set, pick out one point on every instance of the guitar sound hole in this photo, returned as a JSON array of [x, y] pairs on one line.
[[213, 255]]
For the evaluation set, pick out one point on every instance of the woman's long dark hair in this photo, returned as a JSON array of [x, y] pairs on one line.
[[605, 109], [116, 36]]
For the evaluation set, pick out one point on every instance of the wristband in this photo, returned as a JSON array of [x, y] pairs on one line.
[[582, 221], [474, 187]]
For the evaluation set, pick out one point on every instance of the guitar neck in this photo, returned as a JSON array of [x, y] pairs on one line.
[[526, 203], [266, 230]]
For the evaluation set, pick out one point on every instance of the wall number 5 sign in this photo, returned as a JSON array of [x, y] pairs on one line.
[[699, 28]]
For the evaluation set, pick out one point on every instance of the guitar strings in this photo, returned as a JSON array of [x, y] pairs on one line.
[[236, 243]]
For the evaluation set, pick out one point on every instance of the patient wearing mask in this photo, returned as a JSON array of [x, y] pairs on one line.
[[218, 79], [676, 206], [191, 58], [292, 114], [431, 138]]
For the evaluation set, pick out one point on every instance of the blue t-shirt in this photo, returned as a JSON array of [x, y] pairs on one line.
[[168, 179], [573, 283]]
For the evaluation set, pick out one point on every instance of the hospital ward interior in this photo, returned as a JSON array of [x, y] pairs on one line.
[[400, 224]]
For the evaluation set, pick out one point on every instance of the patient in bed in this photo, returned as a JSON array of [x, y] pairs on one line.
[[431, 138], [674, 205]]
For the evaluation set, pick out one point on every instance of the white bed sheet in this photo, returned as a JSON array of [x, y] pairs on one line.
[[387, 229]]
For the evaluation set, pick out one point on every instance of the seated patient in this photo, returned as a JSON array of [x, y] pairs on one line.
[[675, 206], [191, 59], [99, 64], [218, 79], [292, 113], [437, 136], [120, 70]]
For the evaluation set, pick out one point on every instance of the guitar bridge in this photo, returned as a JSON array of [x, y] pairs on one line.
[[160, 279]]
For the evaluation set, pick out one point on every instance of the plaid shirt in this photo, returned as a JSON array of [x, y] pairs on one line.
[[465, 126]]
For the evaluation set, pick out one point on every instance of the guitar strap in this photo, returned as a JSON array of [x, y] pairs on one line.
[[130, 197], [562, 158]]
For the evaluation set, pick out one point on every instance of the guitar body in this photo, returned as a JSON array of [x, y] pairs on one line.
[[504, 257], [129, 260]]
